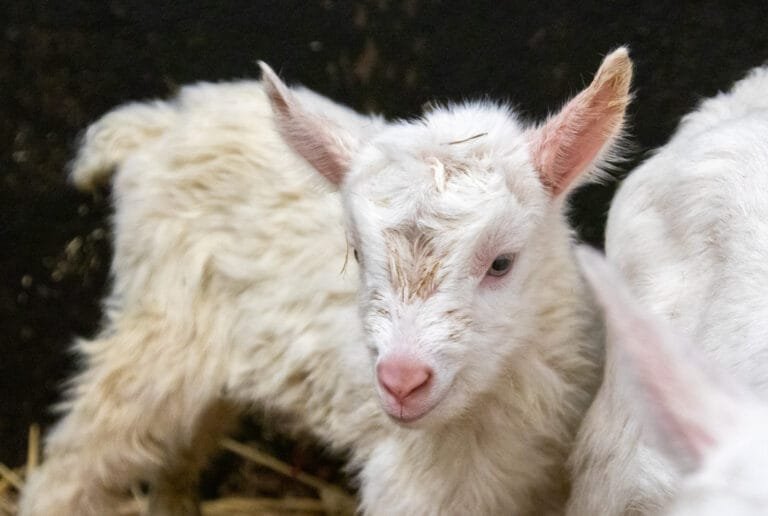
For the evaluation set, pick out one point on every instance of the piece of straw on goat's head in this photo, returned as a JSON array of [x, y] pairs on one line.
[[441, 211]]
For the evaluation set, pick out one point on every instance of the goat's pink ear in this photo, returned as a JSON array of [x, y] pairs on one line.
[[684, 408], [575, 140], [327, 147]]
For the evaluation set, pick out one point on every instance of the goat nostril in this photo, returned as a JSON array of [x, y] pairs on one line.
[[403, 378]]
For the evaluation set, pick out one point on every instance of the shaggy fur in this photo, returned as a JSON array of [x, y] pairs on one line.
[[689, 231], [230, 289]]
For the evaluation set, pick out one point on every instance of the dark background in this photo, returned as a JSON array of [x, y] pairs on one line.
[[64, 63]]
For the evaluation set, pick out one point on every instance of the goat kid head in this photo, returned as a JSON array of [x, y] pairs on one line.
[[440, 211]]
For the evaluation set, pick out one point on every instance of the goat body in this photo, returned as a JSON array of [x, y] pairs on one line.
[[709, 427], [688, 231], [228, 290]]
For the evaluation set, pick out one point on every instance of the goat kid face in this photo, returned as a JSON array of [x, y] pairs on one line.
[[439, 212], [440, 232]]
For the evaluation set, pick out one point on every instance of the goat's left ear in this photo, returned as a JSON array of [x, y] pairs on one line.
[[325, 145], [572, 142]]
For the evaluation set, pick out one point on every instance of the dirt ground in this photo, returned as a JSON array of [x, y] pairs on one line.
[[62, 64]]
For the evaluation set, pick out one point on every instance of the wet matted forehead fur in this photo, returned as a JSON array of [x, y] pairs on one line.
[[442, 184]]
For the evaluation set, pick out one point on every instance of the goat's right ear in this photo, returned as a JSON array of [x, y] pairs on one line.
[[687, 410], [327, 147]]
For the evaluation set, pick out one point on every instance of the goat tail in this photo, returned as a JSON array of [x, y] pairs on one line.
[[114, 137]]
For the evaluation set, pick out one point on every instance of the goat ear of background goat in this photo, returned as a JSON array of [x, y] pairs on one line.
[[686, 409], [327, 147], [577, 139]]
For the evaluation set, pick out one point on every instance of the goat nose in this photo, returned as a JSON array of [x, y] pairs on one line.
[[403, 377]]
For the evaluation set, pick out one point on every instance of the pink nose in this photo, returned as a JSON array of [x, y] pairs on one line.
[[402, 377]]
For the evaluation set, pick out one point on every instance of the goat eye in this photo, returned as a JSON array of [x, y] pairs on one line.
[[500, 265], [357, 258]]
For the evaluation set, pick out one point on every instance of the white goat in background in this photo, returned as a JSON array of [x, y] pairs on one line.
[[227, 291], [477, 331], [689, 231], [711, 429]]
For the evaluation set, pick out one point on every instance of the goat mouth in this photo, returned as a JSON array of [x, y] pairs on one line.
[[402, 419], [404, 414]]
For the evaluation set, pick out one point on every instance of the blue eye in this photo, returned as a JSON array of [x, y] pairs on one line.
[[500, 266]]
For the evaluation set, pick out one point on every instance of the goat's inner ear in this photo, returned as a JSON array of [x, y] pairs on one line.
[[571, 144], [325, 145]]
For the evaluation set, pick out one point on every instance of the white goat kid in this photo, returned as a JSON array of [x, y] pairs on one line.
[[689, 231], [227, 292], [487, 349], [713, 431]]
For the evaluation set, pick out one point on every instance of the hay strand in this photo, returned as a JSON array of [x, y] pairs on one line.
[[334, 499], [11, 476], [33, 448], [4, 485], [272, 463], [238, 505]]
